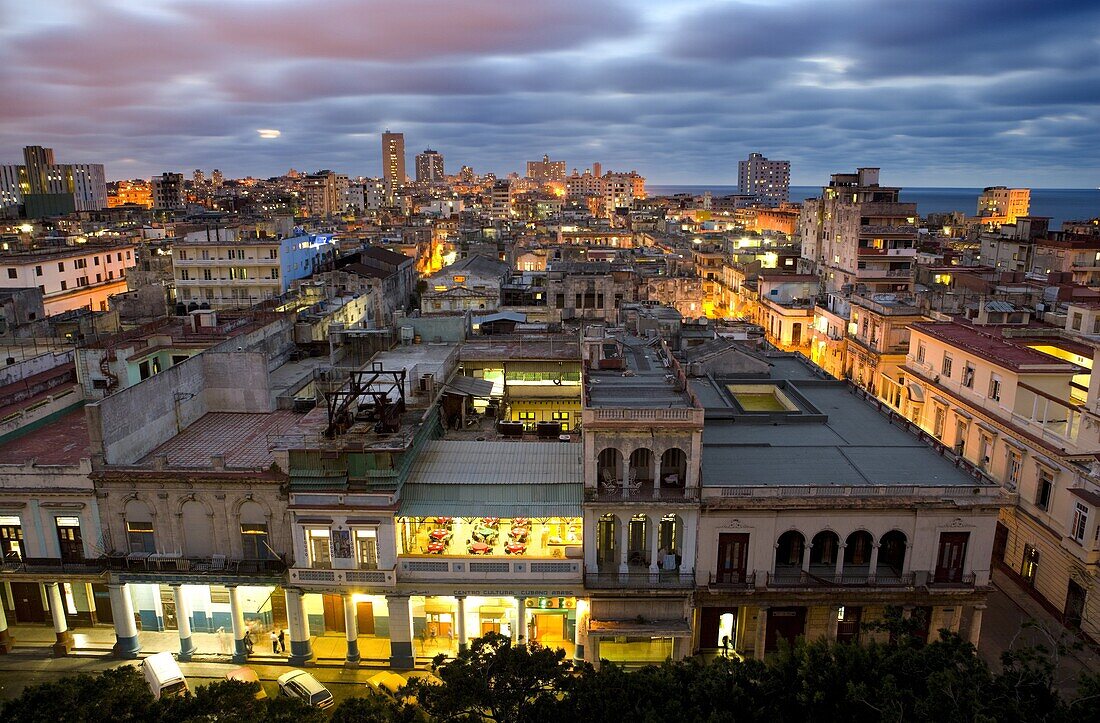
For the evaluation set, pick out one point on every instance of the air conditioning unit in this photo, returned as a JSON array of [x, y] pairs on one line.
[[427, 383]]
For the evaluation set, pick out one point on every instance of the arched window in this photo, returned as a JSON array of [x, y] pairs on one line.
[[139, 527], [609, 467], [788, 554], [198, 530], [673, 467], [607, 543], [254, 532], [857, 549], [891, 553], [824, 549], [641, 465]]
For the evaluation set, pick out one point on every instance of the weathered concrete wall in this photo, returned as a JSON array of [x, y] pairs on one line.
[[129, 424], [236, 382]]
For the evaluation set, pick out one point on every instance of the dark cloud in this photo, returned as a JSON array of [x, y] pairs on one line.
[[934, 92]]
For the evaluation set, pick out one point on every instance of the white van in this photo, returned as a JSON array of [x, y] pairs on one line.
[[164, 676]]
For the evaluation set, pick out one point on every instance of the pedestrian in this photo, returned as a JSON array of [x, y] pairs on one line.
[[274, 642], [222, 642], [282, 641]]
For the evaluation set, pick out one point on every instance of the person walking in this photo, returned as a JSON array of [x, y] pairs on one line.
[[222, 642], [274, 642], [282, 641]]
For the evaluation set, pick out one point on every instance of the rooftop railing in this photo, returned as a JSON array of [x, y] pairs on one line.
[[673, 580]]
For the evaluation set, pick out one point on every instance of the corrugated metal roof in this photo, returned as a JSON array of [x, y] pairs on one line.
[[454, 462], [470, 386], [492, 500], [495, 479]]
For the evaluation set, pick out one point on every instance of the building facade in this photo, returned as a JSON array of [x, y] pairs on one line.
[[769, 181]]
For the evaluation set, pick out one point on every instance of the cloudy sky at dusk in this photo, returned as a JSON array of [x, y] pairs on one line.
[[936, 92]]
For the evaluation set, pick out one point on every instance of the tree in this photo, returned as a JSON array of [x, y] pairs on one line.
[[118, 695], [377, 708], [494, 680], [226, 701]]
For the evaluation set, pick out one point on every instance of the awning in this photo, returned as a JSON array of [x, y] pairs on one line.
[[916, 393], [470, 386]]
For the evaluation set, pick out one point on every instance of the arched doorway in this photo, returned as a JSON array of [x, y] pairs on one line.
[[607, 543]]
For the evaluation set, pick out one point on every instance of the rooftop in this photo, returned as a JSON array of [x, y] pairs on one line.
[[646, 379], [241, 439], [825, 435], [62, 441], [993, 348]]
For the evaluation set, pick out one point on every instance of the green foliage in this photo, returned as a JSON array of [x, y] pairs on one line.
[[377, 709], [121, 695], [118, 695]]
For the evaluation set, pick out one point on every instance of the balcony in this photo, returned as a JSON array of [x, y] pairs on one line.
[[15, 565], [643, 493], [961, 581], [482, 569], [328, 577], [215, 565], [802, 579], [732, 581], [665, 580]]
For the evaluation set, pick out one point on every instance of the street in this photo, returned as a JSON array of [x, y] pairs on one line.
[[30, 666]]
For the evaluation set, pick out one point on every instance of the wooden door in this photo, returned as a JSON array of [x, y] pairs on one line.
[[72, 547], [1075, 605], [733, 550], [784, 624], [1000, 543], [28, 602], [952, 554], [102, 603], [334, 613], [847, 630], [364, 617]]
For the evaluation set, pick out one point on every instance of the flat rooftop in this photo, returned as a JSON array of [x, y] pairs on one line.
[[645, 382], [244, 441], [61, 441], [831, 438]]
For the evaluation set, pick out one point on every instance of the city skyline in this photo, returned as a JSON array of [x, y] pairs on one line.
[[679, 92]]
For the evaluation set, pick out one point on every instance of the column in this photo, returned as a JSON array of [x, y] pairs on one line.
[[351, 625], [6, 639], [401, 632], [122, 611], [655, 462], [301, 650], [976, 625], [624, 543], [874, 563], [806, 556], [761, 632], [460, 622], [580, 632], [687, 548], [90, 597], [240, 651], [183, 622], [60, 627], [834, 623], [838, 571], [654, 534], [625, 481], [521, 621]]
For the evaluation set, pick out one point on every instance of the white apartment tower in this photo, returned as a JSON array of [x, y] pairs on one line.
[[767, 180]]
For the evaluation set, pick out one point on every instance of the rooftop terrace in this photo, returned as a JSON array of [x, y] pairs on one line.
[[646, 380]]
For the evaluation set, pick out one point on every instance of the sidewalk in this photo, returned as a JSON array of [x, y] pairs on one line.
[[328, 650], [1009, 608]]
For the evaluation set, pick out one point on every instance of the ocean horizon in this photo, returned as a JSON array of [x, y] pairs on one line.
[[1060, 204]]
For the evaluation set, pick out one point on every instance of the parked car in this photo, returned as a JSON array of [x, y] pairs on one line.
[[247, 675], [164, 676], [389, 684], [303, 686]]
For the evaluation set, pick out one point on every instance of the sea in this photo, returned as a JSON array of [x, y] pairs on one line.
[[1061, 204]]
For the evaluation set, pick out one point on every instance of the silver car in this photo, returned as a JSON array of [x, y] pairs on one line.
[[303, 686]]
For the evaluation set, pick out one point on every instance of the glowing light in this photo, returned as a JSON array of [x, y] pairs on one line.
[[268, 132], [26, 228]]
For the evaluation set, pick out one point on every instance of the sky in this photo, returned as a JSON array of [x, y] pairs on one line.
[[935, 92]]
